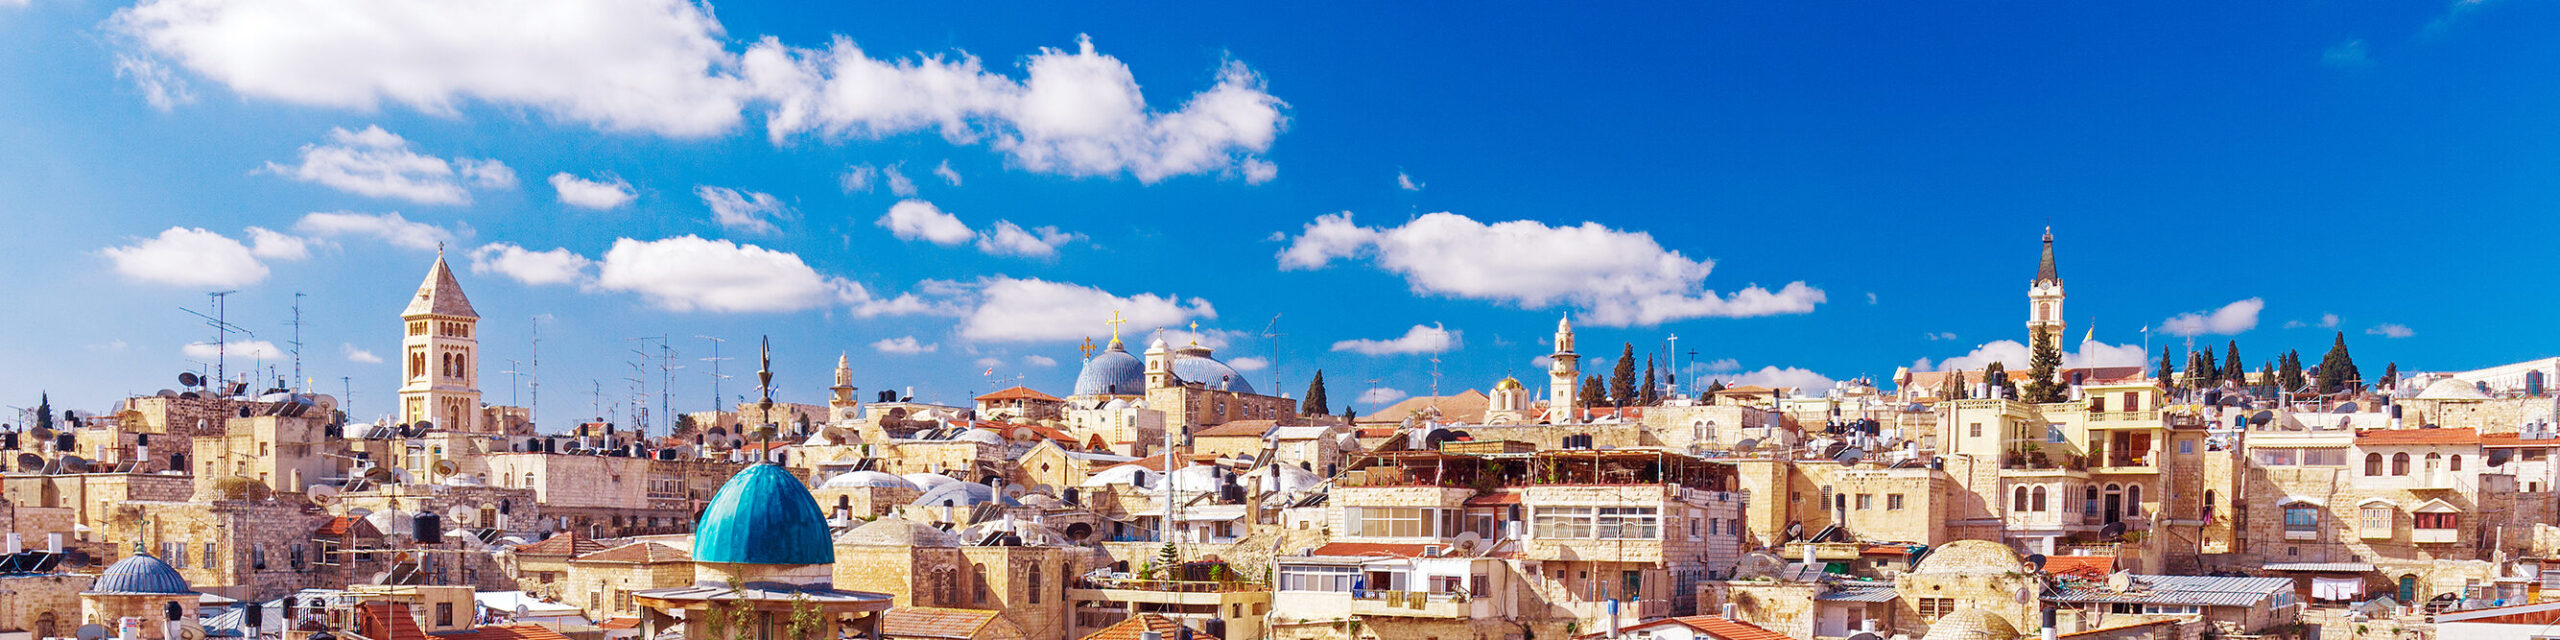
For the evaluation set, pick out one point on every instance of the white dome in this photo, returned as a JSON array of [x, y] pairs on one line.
[[1203, 478], [2452, 389], [871, 479], [927, 481], [981, 436], [1292, 480], [1124, 475], [1032, 533], [1116, 404]]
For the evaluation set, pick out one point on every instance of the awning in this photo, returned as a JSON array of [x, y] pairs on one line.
[[2341, 589], [2320, 567]]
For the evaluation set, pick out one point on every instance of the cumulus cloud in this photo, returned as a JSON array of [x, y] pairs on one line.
[[2012, 354], [920, 220], [1419, 339], [160, 88], [251, 349], [389, 228], [377, 163], [899, 184], [1722, 364], [947, 174], [689, 273], [1003, 309], [605, 193], [857, 178], [190, 257], [1074, 113], [358, 355], [557, 266], [1784, 377], [903, 345], [2327, 321], [745, 211], [1381, 396], [1008, 239], [621, 65], [1942, 335], [1037, 360], [2390, 330], [2230, 319], [1617, 278], [1248, 363], [1406, 182], [277, 246]]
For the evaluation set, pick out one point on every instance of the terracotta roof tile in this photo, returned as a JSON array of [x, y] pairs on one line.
[[1355, 549], [339, 526], [2370, 437], [933, 622], [2086, 567], [1128, 629], [518, 631], [568, 543], [2509, 440], [637, 553], [619, 623], [1718, 628], [1020, 393]]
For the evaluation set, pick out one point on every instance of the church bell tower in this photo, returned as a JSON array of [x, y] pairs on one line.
[[440, 354], [1564, 376], [2044, 298]]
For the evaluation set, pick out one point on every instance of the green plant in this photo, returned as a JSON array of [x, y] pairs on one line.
[[805, 621]]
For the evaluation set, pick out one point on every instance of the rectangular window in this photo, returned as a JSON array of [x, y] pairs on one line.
[[2053, 433], [1563, 522], [444, 614], [2375, 522], [1626, 523], [1389, 522], [2301, 519], [2436, 520], [1318, 578], [1977, 429], [1866, 501], [2324, 457], [2275, 457], [1893, 502], [1932, 609], [2186, 447]]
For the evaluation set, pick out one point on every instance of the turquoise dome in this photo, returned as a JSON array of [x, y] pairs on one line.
[[763, 516]]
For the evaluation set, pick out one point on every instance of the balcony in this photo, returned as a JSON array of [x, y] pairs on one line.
[[2146, 418], [2434, 536], [2437, 481], [2128, 461], [2291, 533], [1412, 604]]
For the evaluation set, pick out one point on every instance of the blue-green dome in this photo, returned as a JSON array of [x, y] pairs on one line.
[[763, 516]]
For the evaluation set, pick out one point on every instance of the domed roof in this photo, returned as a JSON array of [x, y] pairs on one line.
[[893, 531], [1193, 364], [1113, 372], [1116, 404], [959, 494], [867, 478], [1123, 475], [1971, 556], [1972, 624], [2452, 389], [980, 436], [140, 574], [390, 521], [927, 481], [1203, 478], [763, 516], [1507, 384]]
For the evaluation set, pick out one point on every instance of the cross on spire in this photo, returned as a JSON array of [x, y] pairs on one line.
[[1115, 323], [1195, 333], [1087, 348]]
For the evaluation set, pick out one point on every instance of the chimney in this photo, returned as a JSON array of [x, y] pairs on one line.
[[15, 541], [1808, 551], [53, 542], [2050, 633]]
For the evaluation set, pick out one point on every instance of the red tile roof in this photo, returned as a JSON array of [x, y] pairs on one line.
[[1128, 629], [637, 553], [388, 621], [1506, 497], [2084, 567], [1718, 627], [339, 526], [1252, 428], [2416, 437], [1387, 549], [517, 631], [568, 543], [1150, 463], [933, 622], [2509, 440], [619, 623], [1020, 393], [1885, 550]]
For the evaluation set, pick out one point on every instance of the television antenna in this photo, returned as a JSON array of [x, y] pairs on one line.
[[1274, 337], [222, 330], [511, 381], [715, 370], [297, 337]]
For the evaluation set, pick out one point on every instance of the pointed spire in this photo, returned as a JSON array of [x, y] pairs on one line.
[[2045, 272], [440, 294]]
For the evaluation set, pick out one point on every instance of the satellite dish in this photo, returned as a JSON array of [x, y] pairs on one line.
[[2113, 531], [402, 476], [460, 515], [445, 468], [2345, 407], [189, 379], [30, 462], [1747, 444], [92, 632], [2035, 561], [2262, 417], [321, 495], [524, 611], [190, 632], [1465, 541], [1851, 456], [379, 475]]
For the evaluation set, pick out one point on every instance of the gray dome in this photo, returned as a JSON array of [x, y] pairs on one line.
[[863, 479], [961, 494], [1112, 372], [1193, 364], [141, 574], [893, 531]]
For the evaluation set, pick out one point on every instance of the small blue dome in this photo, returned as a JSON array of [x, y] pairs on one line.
[[1113, 372], [140, 574], [763, 516], [1193, 364]]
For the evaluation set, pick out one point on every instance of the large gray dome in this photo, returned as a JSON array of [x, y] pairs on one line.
[[1113, 372], [140, 574], [1193, 364]]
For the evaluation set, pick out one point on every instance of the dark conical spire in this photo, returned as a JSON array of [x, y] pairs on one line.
[[2045, 272]]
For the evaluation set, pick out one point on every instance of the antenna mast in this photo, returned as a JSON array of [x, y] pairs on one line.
[[715, 370], [297, 339], [534, 412], [222, 330]]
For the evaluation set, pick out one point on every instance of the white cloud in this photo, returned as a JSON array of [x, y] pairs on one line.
[[1616, 278], [277, 246], [2328, 321], [622, 65], [1009, 239], [745, 211], [607, 193], [1381, 396], [377, 163], [2390, 330], [2230, 319], [1011, 309], [903, 345], [689, 273], [1942, 335], [1871, 297], [188, 257], [899, 184], [358, 355], [1419, 339], [2349, 54], [947, 174], [857, 178], [1075, 112], [920, 220], [162, 89], [1248, 363], [1788, 377], [1037, 360], [1258, 171], [251, 349], [1723, 364], [1406, 182], [557, 266], [388, 227], [2013, 355]]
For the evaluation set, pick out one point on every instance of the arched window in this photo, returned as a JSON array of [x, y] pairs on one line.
[[978, 584], [2019, 503], [2457, 463], [2044, 312], [2039, 499], [2133, 500], [2205, 511], [2373, 464], [1031, 580], [2399, 464], [2435, 462]]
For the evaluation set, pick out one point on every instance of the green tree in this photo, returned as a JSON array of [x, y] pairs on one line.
[[2232, 369], [2391, 375], [1996, 374], [2044, 369], [1956, 388], [805, 620], [1595, 391], [1715, 386], [2289, 373], [1622, 378], [2166, 374], [2198, 369], [2337, 369], [1314, 404], [2267, 373], [1651, 394]]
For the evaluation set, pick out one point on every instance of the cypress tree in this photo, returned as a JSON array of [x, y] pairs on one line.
[[1715, 386], [1594, 391], [1651, 394], [1997, 375], [1314, 404], [2231, 367], [2199, 368], [1957, 389], [2267, 373], [2044, 369], [2290, 376], [2391, 375], [2337, 369], [2166, 371], [1622, 378]]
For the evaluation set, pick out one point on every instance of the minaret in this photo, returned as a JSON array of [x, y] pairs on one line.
[[1564, 376], [841, 402], [2044, 298], [441, 354], [1159, 364]]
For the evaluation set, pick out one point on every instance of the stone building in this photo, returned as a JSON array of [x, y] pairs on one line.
[[761, 550], [601, 583], [440, 354], [1020, 402], [142, 593], [232, 538]]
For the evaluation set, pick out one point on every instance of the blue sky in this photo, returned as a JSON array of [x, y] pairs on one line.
[[1799, 191]]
